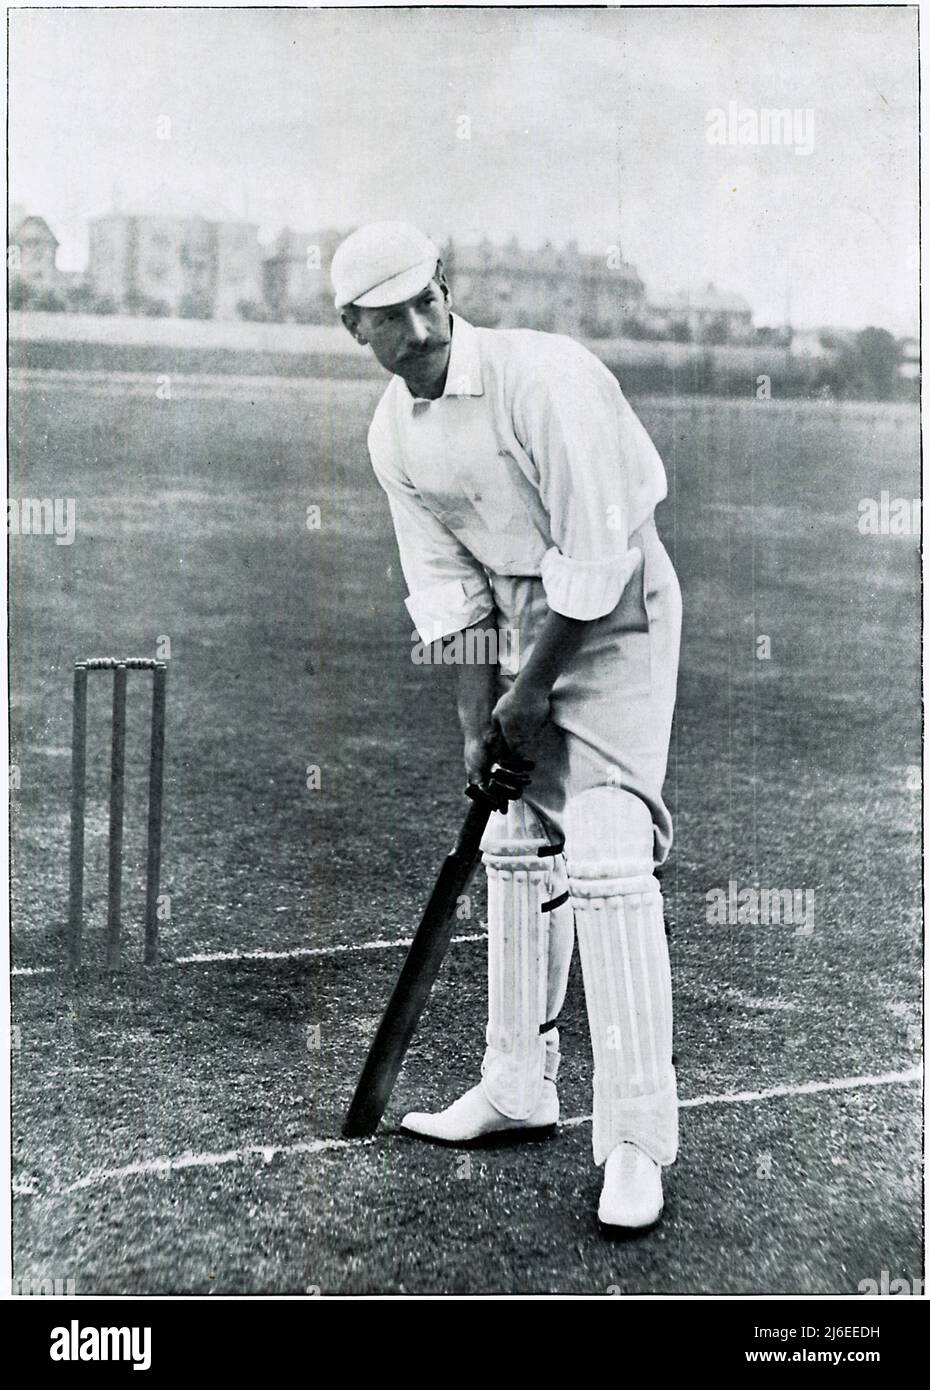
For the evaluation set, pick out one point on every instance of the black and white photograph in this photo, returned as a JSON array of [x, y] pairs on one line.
[[464, 514]]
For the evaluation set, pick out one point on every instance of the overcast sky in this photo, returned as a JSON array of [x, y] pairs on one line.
[[584, 125]]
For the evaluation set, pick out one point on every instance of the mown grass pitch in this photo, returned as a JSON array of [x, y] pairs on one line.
[[220, 1085]]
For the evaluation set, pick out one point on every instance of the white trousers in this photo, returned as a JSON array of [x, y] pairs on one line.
[[597, 792]]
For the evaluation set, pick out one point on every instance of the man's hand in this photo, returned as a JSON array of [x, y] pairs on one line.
[[479, 755], [520, 714]]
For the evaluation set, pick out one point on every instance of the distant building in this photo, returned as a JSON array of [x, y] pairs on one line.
[[109, 268], [239, 270], [556, 290], [705, 316], [182, 266], [36, 248], [296, 276], [564, 291]]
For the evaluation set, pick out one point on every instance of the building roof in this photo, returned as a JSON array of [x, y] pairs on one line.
[[512, 258], [34, 229], [174, 220]]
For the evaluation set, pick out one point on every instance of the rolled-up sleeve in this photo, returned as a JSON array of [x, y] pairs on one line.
[[591, 453], [448, 588]]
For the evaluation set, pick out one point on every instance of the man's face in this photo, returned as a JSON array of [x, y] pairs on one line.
[[412, 339]]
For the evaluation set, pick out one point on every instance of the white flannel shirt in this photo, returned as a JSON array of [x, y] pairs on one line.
[[531, 463]]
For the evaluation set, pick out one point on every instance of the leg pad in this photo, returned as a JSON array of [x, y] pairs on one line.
[[518, 966], [627, 977]]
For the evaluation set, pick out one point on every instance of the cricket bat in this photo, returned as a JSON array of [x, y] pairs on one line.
[[428, 948]]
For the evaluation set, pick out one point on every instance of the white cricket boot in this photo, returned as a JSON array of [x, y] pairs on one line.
[[472, 1118], [631, 1198]]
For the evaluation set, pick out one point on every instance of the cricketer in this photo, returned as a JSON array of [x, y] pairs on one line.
[[522, 489]]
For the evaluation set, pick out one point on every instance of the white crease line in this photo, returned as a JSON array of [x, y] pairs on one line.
[[293, 954], [267, 1152], [803, 1088], [311, 950], [314, 1146], [811, 1088]]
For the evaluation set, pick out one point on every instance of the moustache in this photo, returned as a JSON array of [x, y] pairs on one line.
[[417, 354]]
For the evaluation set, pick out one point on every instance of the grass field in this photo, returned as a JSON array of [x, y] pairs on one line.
[[177, 1130]]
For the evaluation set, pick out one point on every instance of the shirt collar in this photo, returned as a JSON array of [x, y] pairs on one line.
[[463, 377]]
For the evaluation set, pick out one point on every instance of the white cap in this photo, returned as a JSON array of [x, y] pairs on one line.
[[382, 263]]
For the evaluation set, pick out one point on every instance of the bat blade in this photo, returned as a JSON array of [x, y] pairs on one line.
[[417, 977]]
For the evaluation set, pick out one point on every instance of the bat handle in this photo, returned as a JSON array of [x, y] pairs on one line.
[[508, 778]]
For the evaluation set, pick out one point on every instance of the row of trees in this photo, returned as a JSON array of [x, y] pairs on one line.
[[860, 366], [866, 365], [718, 333], [82, 298]]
